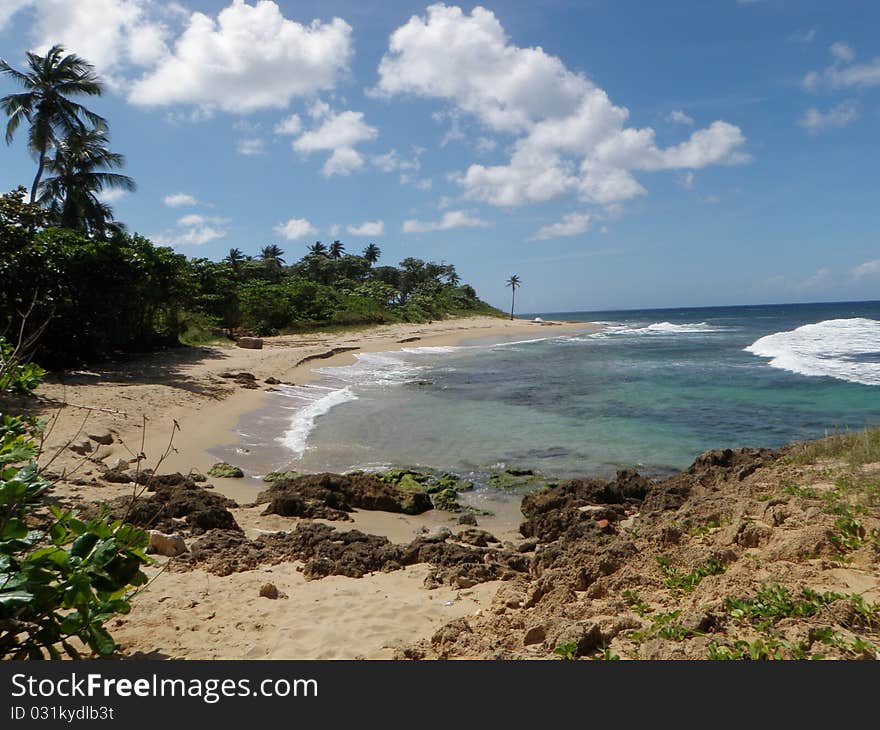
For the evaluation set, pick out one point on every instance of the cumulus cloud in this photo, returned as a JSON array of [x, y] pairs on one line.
[[451, 219], [339, 133], [569, 136], [679, 117], [868, 268], [250, 57], [571, 224], [295, 229], [108, 33], [368, 228], [291, 125], [194, 230], [843, 73], [179, 200], [815, 121], [111, 195]]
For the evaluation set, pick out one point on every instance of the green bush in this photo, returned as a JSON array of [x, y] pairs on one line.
[[60, 577]]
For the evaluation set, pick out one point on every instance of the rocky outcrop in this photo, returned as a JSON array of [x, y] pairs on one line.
[[331, 496]]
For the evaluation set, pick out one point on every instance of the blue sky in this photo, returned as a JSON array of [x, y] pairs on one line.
[[613, 154]]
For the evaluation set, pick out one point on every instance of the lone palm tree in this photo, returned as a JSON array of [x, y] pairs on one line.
[[272, 256], [336, 250], [317, 249], [452, 276], [78, 172], [513, 282], [45, 105], [372, 253]]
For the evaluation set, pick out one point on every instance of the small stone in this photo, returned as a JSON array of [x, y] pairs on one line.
[[168, 545], [603, 524], [272, 381], [535, 635], [467, 519], [82, 448], [223, 470], [250, 343], [527, 546], [105, 438], [268, 590]]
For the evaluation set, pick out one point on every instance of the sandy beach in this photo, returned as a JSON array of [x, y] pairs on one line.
[[143, 402]]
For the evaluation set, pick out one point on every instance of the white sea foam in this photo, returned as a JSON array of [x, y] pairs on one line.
[[373, 367], [316, 405], [656, 328], [846, 349]]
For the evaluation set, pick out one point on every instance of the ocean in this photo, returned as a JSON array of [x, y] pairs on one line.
[[652, 390]]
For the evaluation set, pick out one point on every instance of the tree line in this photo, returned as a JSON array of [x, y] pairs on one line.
[[77, 277]]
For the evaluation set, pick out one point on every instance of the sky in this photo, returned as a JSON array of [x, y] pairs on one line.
[[611, 153]]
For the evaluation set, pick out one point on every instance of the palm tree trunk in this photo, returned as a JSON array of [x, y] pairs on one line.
[[40, 168], [512, 299]]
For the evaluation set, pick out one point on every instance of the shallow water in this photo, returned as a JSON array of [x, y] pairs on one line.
[[652, 390]]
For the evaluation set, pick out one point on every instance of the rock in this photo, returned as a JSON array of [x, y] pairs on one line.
[[312, 494], [225, 471], [169, 545], [277, 476], [250, 343], [82, 448], [268, 590], [451, 632], [105, 438], [239, 376], [272, 381], [467, 519], [117, 476], [585, 635], [479, 538], [120, 465], [527, 546], [535, 635], [438, 534], [197, 476]]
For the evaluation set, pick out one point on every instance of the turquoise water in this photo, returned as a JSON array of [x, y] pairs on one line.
[[653, 389]]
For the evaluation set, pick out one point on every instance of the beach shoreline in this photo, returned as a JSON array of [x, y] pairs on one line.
[[173, 407]]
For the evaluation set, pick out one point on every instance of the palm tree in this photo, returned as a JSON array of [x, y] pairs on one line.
[[336, 250], [78, 172], [513, 282], [372, 253], [234, 258], [452, 276], [317, 249], [272, 256], [45, 105]]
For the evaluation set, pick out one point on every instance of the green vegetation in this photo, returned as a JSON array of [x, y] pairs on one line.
[[442, 486], [567, 650], [856, 449], [61, 578], [71, 273], [686, 582], [635, 602]]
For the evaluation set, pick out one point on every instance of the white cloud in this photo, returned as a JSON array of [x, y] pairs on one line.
[[194, 230], [450, 219], [292, 125], [107, 33], [485, 144], [111, 195], [193, 219], [296, 228], [8, 8], [687, 181], [368, 228], [334, 229], [250, 57], [250, 146], [569, 136], [868, 268], [179, 200], [339, 133], [815, 121], [571, 224], [679, 117], [393, 162], [843, 73], [842, 52]]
